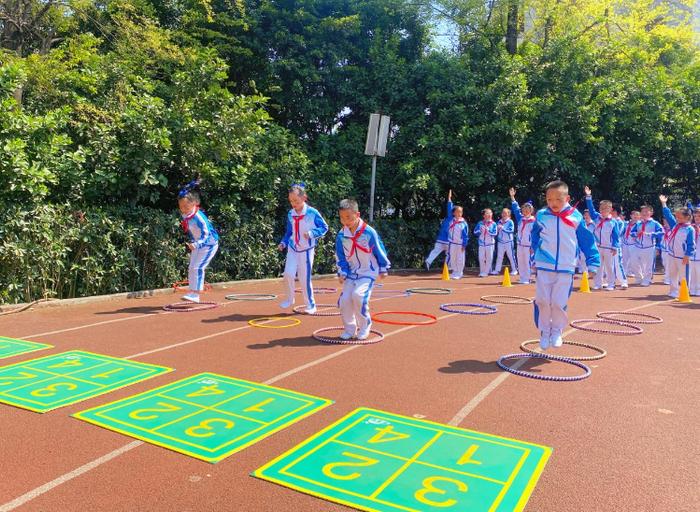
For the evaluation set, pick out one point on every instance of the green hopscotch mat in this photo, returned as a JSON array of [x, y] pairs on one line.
[[55, 381], [378, 461], [11, 347], [207, 416]]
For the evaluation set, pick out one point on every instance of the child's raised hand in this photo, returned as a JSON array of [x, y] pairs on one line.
[[511, 191], [587, 190], [663, 199], [280, 247], [449, 195]]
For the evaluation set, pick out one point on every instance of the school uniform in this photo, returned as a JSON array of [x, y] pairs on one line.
[[628, 247], [205, 239], [458, 235], [504, 245], [360, 257], [663, 249], [607, 236], [647, 234], [301, 251], [524, 239], [486, 232], [556, 239], [680, 243], [442, 244]]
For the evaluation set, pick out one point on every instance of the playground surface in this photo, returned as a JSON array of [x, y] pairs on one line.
[[122, 406]]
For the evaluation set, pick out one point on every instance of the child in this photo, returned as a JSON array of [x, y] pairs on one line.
[[694, 283], [361, 258], [304, 226], [558, 234], [458, 236], [203, 238], [442, 243], [628, 243], [680, 245], [504, 242], [607, 236], [525, 222], [646, 232], [487, 231]]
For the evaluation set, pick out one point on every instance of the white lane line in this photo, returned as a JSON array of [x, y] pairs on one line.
[[481, 396], [85, 326]]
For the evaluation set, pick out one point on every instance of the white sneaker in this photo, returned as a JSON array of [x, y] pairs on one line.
[[191, 297], [346, 336], [286, 304], [310, 311], [544, 341], [483, 275], [610, 288], [596, 287], [514, 273], [624, 286], [363, 334], [556, 341]]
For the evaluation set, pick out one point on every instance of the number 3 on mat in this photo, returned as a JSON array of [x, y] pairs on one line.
[[207, 430], [364, 461], [429, 488]]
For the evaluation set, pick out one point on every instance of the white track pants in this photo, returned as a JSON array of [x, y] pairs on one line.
[[199, 261], [300, 263], [551, 297], [694, 283], [627, 253], [439, 248], [354, 304], [676, 272], [644, 264], [506, 249], [485, 259], [523, 252], [456, 264]]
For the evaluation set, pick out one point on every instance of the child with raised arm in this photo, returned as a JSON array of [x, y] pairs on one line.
[[647, 233], [486, 230], [203, 238], [680, 245], [504, 242], [559, 233], [607, 237], [442, 244], [361, 259], [305, 226], [525, 221]]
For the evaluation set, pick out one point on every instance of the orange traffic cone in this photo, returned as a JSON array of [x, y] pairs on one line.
[[585, 285], [506, 279], [445, 272], [684, 294]]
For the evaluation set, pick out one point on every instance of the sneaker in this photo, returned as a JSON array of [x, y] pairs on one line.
[[624, 286], [345, 336], [310, 311], [596, 288], [556, 341], [191, 297], [673, 296], [523, 282], [610, 288], [544, 341], [363, 334], [286, 304], [483, 275], [514, 273]]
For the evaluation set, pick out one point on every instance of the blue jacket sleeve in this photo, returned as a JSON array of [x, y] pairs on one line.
[[477, 228], [493, 229], [288, 233], [669, 217], [615, 236], [508, 227], [204, 231], [591, 209], [586, 242], [321, 228], [449, 208], [341, 260], [690, 243], [658, 233], [535, 235], [516, 211], [380, 253], [465, 235]]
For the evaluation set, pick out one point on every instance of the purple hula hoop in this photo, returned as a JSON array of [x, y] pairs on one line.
[[531, 375]]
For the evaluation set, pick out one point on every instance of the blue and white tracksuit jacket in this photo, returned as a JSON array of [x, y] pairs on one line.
[[506, 230], [205, 239], [308, 221], [443, 235], [647, 234], [681, 241], [525, 225], [486, 232]]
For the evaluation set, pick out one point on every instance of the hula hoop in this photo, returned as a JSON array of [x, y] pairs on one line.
[[498, 299], [254, 322], [180, 286], [538, 376], [635, 329], [320, 290], [251, 296], [430, 291], [391, 293], [432, 319], [188, 307], [299, 310], [337, 341], [490, 310], [650, 319], [601, 352]]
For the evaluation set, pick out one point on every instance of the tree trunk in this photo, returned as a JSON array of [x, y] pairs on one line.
[[512, 27]]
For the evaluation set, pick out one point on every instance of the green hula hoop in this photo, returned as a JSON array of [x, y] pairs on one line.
[[430, 291]]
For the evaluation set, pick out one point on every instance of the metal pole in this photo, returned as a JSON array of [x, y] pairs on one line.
[[371, 189]]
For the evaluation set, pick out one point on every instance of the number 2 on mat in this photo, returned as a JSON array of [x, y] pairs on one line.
[[364, 461], [429, 488], [165, 407]]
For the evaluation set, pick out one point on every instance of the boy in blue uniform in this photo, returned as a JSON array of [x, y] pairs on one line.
[[361, 259], [558, 235], [486, 230], [458, 236], [648, 234], [504, 242], [442, 244]]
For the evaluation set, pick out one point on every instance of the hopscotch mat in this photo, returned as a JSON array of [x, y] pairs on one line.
[[50, 382], [207, 416], [11, 347], [378, 461]]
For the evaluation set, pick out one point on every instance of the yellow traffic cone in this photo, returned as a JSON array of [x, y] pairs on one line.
[[506, 279], [585, 285], [684, 294], [445, 272]]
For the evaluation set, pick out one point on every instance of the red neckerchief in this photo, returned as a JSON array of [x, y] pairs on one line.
[[564, 216], [672, 234], [600, 225], [456, 221], [297, 220], [501, 222], [185, 223], [644, 226], [523, 224], [485, 227], [628, 230], [354, 239]]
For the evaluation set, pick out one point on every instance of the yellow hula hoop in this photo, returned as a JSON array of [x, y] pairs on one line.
[[254, 322]]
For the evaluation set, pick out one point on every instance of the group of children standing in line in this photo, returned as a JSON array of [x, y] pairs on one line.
[[552, 242]]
